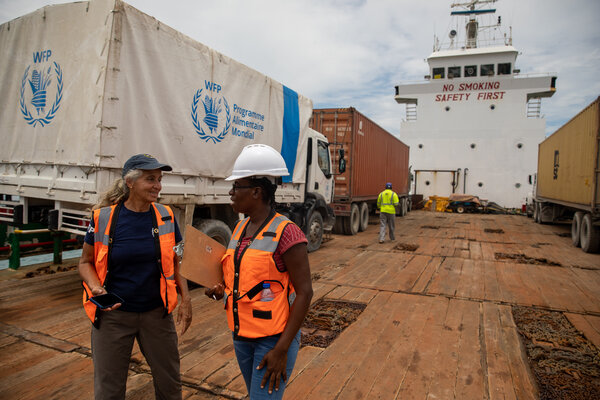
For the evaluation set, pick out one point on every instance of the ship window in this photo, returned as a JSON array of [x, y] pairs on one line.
[[504, 69], [487, 69], [453, 72], [470, 70], [438, 73]]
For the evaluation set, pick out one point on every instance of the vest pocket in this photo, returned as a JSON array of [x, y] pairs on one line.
[[261, 314]]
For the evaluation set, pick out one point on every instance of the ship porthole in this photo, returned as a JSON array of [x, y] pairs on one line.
[[480, 184], [519, 145], [517, 185], [447, 108], [427, 183], [492, 107], [472, 145], [420, 145]]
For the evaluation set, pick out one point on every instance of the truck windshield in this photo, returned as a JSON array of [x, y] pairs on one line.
[[323, 157]]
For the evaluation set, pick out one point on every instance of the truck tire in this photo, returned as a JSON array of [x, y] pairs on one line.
[[460, 209], [338, 226], [215, 229], [314, 231], [590, 235], [364, 217], [352, 222], [576, 229]]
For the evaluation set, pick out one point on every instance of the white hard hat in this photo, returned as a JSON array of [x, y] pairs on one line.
[[258, 160]]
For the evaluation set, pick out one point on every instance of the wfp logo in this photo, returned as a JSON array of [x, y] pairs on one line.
[[40, 81], [207, 127]]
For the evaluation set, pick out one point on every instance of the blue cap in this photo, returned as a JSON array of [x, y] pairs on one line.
[[388, 185], [143, 161]]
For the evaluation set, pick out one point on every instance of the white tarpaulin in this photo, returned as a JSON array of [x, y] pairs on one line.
[[96, 82]]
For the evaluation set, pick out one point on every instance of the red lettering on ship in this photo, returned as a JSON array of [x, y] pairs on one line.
[[479, 86], [452, 97], [490, 95]]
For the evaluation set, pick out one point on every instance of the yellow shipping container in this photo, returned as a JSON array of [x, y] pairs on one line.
[[568, 161]]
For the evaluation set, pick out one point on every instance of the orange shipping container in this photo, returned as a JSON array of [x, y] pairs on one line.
[[373, 157]]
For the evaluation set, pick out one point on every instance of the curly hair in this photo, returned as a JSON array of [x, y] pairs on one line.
[[119, 191]]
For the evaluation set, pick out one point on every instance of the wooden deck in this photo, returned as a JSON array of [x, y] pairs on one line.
[[437, 324]]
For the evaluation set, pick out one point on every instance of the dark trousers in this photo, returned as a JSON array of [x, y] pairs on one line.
[[112, 344]]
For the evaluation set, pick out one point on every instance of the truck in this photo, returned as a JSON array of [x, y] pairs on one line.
[[567, 179], [89, 84], [369, 157]]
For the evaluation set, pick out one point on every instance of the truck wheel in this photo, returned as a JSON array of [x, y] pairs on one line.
[[590, 235], [460, 209], [314, 231], [364, 217], [352, 222], [215, 229], [338, 226], [576, 229]]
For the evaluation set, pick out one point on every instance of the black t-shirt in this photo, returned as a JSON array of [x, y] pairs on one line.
[[134, 274]]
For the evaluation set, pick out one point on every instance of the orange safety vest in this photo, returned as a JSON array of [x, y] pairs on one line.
[[247, 316], [165, 228]]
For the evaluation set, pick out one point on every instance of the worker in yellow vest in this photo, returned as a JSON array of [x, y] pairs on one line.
[[386, 203]]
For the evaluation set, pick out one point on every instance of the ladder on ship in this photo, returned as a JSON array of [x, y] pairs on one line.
[[534, 107], [411, 112]]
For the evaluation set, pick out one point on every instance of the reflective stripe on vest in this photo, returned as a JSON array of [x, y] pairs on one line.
[[247, 316], [166, 231]]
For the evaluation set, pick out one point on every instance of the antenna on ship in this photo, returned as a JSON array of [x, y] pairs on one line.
[[472, 25]]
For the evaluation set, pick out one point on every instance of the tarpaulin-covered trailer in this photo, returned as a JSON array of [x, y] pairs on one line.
[[89, 84]]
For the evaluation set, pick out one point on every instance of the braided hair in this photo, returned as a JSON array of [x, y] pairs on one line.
[[267, 189]]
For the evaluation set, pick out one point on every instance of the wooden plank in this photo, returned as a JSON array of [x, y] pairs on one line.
[[431, 269], [304, 384], [394, 367], [498, 369], [347, 361], [588, 325], [523, 381], [417, 380]]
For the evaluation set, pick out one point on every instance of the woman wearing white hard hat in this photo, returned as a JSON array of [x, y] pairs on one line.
[[267, 284]]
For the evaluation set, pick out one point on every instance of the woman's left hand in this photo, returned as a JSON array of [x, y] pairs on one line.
[[184, 315], [275, 361]]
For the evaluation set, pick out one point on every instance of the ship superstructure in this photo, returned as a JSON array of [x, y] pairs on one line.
[[474, 124]]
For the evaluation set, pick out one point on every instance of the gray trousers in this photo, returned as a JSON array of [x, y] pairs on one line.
[[112, 344], [386, 219]]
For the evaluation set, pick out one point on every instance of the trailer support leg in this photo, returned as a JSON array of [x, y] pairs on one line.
[[14, 262], [58, 247]]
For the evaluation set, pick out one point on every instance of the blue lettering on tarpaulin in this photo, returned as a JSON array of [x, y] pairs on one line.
[[291, 130], [40, 56]]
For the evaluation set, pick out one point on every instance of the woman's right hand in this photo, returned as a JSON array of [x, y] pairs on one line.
[[216, 292]]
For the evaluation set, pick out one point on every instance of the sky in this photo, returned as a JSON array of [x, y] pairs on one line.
[[352, 53]]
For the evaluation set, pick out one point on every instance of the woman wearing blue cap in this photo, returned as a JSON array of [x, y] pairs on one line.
[[128, 252]]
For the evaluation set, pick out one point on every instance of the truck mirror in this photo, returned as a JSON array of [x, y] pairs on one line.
[[341, 153], [530, 180], [342, 166]]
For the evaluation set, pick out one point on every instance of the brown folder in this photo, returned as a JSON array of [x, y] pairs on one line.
[[201, 258]]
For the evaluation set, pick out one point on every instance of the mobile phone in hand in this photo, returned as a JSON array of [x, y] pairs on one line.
[[106, 300]]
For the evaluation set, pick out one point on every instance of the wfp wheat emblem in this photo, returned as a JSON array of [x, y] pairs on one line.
[[215, 124], [37, 88]]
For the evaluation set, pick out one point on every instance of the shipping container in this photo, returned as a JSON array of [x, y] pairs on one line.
[[372, 157], [567, 184]]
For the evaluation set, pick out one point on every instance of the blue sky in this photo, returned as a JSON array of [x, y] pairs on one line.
[[352, 53]]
